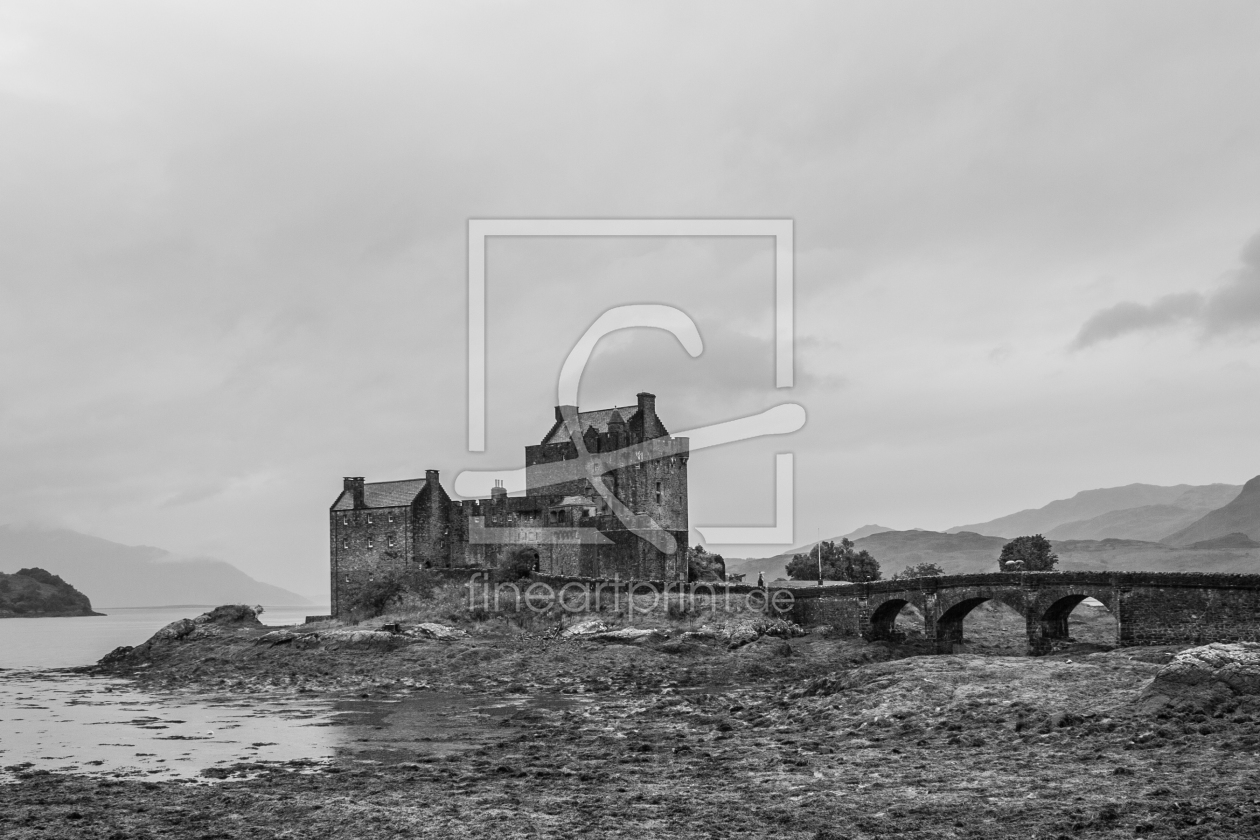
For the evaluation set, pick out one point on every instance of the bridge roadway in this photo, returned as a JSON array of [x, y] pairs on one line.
[[1150, 608]]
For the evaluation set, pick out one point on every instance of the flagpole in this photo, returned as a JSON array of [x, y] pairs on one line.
[[819, 539]]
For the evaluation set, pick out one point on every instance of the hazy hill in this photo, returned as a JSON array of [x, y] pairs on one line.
[[1090, 504], [1241, 516], [776, 566], [1149, 522], [959, 553], [1234, 540], [116, 575], [968, 553], [1140, 556], [865, 531], [955, 553], [35, 593]]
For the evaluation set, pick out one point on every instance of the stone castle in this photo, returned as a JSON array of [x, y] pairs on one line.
[[563, 524]]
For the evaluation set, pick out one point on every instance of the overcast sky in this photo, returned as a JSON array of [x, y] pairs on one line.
[[232, 251]]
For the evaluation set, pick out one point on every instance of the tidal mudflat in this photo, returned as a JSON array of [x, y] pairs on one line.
[[524, 732]]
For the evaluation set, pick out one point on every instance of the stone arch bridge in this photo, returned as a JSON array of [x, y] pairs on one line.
[[1150, 608]]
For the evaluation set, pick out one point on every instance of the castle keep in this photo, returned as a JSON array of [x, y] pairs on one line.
[[563, 523]]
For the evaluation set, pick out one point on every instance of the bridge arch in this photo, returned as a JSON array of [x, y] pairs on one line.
[[949, 627], [884, 619], [1048, 621]]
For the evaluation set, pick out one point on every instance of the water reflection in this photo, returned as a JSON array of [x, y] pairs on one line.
[[63, 722], [70, 723]]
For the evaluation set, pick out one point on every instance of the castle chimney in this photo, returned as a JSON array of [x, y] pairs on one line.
[[647, 409], [560, 411], [498, 491], [354, 486], [431, 479]]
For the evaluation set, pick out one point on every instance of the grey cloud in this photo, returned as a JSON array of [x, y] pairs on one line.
[[1233, 306], [1237, 304], [1128, 317]]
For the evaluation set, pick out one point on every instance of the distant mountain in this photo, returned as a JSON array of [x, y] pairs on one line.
[[865, 531], [36, 593], [967, 553], [1090, 504], [1241, 516], [1140, 556], [116, 575], [1234, 540], [776, 567], [1149, 522], [955, 553], [958, 554]]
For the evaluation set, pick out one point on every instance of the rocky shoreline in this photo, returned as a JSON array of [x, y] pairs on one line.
[[710, 731]]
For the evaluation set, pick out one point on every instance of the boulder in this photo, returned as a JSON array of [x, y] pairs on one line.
[[377, 639], [1203, 677], [739, 633], [585, 628], [232, 615], [430, 630], [173, 632], [628, 635]]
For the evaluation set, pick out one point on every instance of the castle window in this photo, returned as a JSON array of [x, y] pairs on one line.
[[345, 542], [369, 519], [391, 540], [658, 492], [391, 518], [370, 543], [345, 520]]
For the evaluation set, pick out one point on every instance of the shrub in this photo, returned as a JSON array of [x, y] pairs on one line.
[[702, 566], [839, 562], [1027, 554], [387, 588], [521, 565], [919, 570]]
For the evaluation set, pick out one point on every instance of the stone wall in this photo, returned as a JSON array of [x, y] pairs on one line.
[[363, 544], [1171, 612]]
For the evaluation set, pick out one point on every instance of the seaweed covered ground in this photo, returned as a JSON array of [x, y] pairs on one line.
[[696, 730]]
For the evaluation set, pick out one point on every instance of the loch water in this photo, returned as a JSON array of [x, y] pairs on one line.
[[61, 721]]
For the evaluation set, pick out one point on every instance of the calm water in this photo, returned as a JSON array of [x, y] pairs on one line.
[[67, 642], [70, 723]]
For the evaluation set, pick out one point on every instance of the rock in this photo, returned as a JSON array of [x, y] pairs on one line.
[[738, 634], [430, 630], [627, 635], [359, 639], [118, 654], [174, 631], [278, 637], [585, 628], [231, 614], [1203, 677]]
